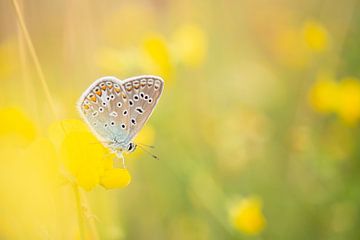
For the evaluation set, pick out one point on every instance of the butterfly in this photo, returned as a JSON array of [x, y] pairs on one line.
[[116, 110]]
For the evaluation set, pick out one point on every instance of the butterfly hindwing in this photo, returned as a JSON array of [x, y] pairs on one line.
[[105, 108], [143, 94]]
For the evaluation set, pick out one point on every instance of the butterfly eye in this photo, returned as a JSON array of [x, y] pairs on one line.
[[112, 123], [146, 97], [119, 104], [105, 125], [123, 126], [150, 82], [142, 95], [136, 97], [133, 121], [101, 109], [131, 102], [104, 104], [150, 100], [95, 113], [112, 96], [107, 98], [125, 113]]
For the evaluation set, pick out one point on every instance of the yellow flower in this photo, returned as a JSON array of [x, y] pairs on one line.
[[84, 156], [115, 178], [156, 56], [349, 100], [15, 127], [247, 217], [190, 45], [58, 130], [315, 36], [324, 93]]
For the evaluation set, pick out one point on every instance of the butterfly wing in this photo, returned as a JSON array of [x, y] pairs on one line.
[[143, 94], [105, 108]]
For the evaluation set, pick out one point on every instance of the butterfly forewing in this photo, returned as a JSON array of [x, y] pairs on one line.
[[104, 106], [143, 94]]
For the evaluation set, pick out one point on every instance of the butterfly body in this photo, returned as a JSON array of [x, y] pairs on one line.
[[116, 110]]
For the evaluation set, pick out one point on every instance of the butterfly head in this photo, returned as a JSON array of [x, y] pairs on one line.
[[131, 147]]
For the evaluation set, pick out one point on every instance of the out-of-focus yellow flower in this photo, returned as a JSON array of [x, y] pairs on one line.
[[348, 106], [324, 93], [115, 178], [247, 217], [58, 130], [190, 45], [82, 154], [157, 56], [15, 127], [315, 36]]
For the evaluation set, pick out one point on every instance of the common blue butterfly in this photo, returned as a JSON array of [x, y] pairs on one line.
[[116, 110]]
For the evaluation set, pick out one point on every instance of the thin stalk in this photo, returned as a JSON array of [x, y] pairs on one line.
[[34, 57], [79, 211]]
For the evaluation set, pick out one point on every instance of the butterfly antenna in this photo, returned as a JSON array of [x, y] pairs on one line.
[[148, 152], [145, 145]]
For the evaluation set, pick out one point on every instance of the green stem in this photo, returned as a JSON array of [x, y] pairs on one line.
[[79, 211]]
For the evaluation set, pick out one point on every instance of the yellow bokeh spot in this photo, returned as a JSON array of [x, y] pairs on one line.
[[247, 217], [156, 56], [315, 36], [324, 93], [15, 127], [190, 45], [349, 100], [115, 178]]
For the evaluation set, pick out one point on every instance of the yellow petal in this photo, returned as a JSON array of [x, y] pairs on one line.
[[247, 216], [349, 100], [323, 95], [316, 36], [88, 177], [115, 178], [58, 130], [81, 149], [157, 56]]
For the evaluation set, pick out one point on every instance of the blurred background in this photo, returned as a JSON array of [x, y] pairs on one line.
[[257, 129]]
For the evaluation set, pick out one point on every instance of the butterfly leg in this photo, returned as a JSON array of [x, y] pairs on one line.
[[117, 163]]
